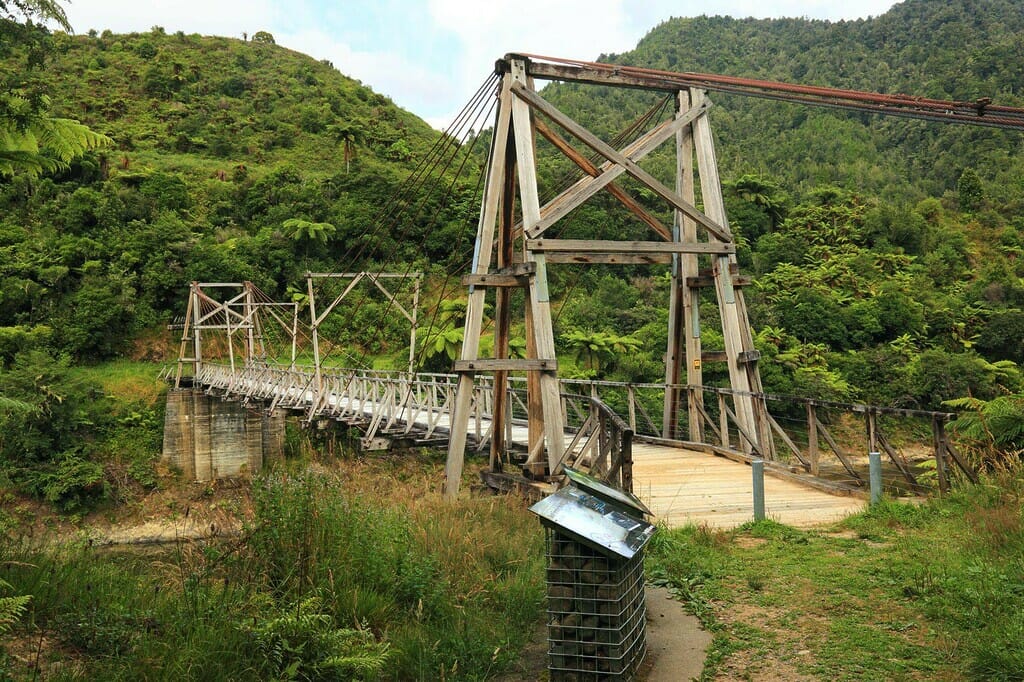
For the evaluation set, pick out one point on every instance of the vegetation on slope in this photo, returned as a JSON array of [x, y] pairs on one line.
[[328, 580], [886, 253]]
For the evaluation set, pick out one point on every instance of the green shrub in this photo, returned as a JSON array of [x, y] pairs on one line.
[[302, 642]]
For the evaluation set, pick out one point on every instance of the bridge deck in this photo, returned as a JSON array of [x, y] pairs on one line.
[[685, 486]]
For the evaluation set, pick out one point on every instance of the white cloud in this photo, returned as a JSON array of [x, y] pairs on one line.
[[411, 86], [192, 16], [455, 48], [585, 29], [576, 29]]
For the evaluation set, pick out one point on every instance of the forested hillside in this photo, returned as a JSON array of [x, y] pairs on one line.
[[886, 252], [231, 161]]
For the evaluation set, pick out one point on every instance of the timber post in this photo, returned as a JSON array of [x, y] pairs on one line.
[[197, 342]]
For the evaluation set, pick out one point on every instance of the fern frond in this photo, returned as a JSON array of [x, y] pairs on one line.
[[46, 10], [966, 403], [11, 609], [66, 138], [33, 143]]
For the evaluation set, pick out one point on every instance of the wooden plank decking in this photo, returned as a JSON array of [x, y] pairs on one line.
[[684, 486]]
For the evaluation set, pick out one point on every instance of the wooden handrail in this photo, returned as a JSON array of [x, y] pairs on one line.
[[603, 446]]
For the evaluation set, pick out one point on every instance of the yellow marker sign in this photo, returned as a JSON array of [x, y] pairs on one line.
[[696, 364]]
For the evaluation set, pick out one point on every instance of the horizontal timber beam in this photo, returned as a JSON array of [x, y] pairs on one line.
[[722, 356], [495, 280], [581, 246], [702, 282], [506, 365], [370, 275], [514, 275], [611, 258]]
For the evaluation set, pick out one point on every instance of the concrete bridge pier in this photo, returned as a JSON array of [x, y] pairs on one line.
[[210, 438]]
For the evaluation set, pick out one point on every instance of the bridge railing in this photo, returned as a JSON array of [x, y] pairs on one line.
[[602, 443], [823, 438], [381, 402]]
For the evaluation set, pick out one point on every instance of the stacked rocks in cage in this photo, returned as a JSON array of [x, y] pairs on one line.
[[596, 611]]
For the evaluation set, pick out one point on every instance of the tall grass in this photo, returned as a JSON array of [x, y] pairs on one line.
[[323, 583]]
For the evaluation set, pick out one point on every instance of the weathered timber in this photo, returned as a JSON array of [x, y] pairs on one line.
[[507, 483], [610, 258], [507, 365], [840, 455], [538, 297], [630, 166], [968, 470], [475, 307], [495, 280], [625, 247], [583, 189], [707, 281], [788, 441], [593, 171], [813, 453], [897, 458]]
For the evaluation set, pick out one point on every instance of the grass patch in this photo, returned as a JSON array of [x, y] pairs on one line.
[[930, 591], [131, 382], [326, 581]]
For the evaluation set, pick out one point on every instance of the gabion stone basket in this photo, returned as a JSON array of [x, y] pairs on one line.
[[596, 536], [596, 612]]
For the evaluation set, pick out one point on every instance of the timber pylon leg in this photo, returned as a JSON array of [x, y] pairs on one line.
[[511, 150]]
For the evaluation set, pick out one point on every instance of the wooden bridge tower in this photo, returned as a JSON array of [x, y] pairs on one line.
[[513, 250]]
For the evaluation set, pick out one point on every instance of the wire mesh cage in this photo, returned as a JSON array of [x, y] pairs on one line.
[[596, 611]]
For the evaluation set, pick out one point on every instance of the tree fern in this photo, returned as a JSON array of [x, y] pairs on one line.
[[999, 421], [33, 143], [44, 10]]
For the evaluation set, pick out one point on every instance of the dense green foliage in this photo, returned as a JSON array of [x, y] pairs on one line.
[[78, 437], [886, 252], [31, 140], [232, 159]]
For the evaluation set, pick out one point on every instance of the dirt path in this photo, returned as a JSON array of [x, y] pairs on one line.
[[676, 644]]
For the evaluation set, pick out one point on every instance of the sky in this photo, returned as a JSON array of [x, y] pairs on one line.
[[430, 56]]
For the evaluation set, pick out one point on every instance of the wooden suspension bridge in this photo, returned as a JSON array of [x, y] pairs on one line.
[[681, 481], [679, 443]]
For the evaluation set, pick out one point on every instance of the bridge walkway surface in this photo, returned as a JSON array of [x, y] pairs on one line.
[[684, 486]]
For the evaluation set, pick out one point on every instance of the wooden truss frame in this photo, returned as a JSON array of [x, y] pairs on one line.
[[374, 278], [513, 253], [239, 312]]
